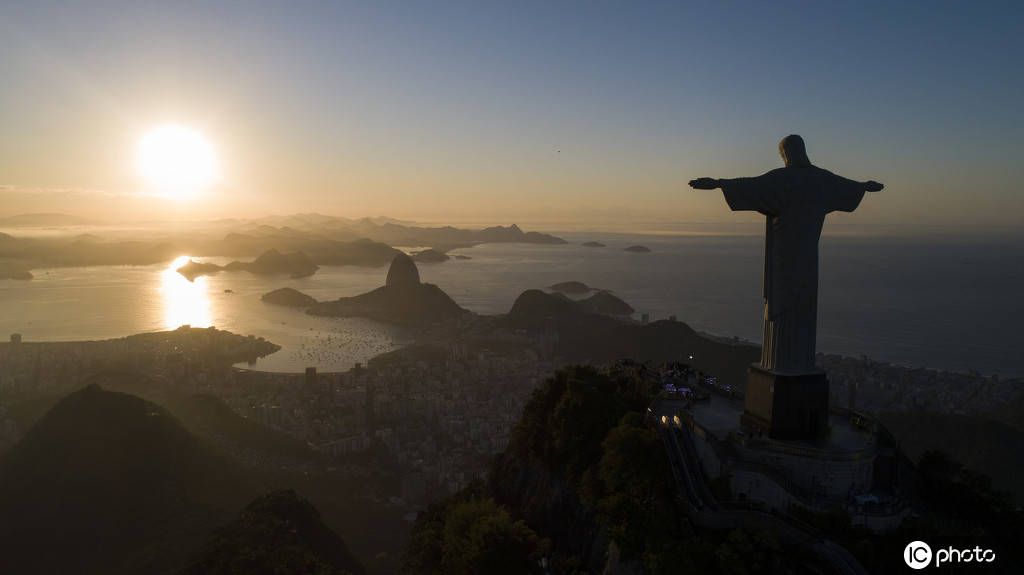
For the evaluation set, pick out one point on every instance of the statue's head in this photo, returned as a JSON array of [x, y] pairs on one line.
[[793, 153]]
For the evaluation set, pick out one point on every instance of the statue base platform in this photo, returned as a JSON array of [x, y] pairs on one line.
[[782, 405]]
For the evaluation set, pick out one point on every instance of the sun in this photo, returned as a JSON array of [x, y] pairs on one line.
[[177, 161]]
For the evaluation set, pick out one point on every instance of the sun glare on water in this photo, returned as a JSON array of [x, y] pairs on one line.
[[177, 161], [184, 302]]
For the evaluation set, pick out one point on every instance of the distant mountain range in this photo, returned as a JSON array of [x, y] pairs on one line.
[[45, 220], [325, 240]]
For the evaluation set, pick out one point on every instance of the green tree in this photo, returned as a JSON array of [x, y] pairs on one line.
[[480, 537]]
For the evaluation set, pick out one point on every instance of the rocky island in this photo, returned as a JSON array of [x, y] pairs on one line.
[[288, 297], [638, 249], [271, 262], [593, 245], [194, 269], [430, 256]]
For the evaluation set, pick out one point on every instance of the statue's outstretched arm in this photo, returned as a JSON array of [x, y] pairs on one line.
[[705, 184]]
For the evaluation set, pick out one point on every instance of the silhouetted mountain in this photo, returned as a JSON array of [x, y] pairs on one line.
[[638, 249], [272, 262], [325, 240], [403, 299], [535, 304], [193, 269], [106, 482], [588, 337], [573, 287], [403, 271], [277, 533], [447, 237], [606, 303], [360, 252], [288, 296], [514, 234]]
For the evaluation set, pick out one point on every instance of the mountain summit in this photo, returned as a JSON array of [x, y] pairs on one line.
[[403, 271]]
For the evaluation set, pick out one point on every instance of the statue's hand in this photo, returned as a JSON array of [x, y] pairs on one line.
[[704, 184], [872, 186]]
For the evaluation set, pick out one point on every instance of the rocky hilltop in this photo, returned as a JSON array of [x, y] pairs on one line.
[[534, 304], [403, 272], [272, 262], [572, 287], [403, 299], [605, 303], [277, 533]]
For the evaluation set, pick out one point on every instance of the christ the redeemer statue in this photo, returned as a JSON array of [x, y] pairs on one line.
[[785, 396], [795, 200]]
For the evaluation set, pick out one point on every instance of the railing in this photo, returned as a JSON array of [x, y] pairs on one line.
[[802, 451]]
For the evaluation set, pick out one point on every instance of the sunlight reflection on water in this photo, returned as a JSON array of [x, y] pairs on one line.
[[185, 302]]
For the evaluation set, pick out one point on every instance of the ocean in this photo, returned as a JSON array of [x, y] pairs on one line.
[[939, 300]]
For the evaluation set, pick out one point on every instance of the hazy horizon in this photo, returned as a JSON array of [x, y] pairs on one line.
[[746, 227], [488, 112]]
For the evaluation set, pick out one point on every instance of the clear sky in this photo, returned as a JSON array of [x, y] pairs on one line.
[[514, 111]]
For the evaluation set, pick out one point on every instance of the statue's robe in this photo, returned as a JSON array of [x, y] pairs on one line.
[[795, 201]]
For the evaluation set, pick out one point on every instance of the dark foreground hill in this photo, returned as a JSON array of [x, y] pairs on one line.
[[977, 442], [585, 483], [277, 533], [109, 483]]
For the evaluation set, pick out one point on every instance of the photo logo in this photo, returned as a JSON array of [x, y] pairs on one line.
[[917, 554]]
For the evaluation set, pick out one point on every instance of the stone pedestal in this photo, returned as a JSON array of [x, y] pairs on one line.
[[786, 406]]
